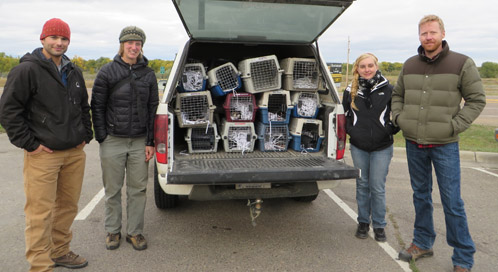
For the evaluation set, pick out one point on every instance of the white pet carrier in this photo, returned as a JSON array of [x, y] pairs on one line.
[[300, 74], [194, 109], [261, 74]]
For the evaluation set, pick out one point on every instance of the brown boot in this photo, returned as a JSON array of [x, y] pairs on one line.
[[414, 252], [112, 240], [70, 260], [458, 268], [137, 241]]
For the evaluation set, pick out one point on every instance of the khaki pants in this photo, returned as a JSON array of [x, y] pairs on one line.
[[52, 184], [120, 157]]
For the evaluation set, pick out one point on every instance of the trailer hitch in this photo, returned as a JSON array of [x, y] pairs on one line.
[[254, 209]]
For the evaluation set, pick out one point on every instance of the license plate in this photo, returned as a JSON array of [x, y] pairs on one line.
[[253, 186]]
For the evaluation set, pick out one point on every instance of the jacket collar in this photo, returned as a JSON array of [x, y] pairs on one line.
[[382, 83], [442, 54], [141, 62], [37, 56]]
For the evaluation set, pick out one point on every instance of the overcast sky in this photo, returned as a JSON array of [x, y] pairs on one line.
[[387, 28]]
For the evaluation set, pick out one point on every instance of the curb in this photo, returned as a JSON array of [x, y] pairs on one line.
[[465, 156], [488, 158]]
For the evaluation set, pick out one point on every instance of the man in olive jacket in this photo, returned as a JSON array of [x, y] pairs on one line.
[[44, 109], [426, 106]]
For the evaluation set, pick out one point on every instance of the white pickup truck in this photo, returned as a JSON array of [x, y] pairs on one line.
[[250, 110]]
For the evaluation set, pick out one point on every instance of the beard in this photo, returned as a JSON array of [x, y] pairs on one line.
[[432, 47]]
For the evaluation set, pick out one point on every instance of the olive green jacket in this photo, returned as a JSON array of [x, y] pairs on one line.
[[426, 102]]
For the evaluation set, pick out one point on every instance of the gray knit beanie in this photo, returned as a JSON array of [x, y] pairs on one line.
[[132, 33]]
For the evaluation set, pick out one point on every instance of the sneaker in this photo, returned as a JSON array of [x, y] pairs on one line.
[[70, 260], [380, 234], [362, 231], [137, 241], [458, 268], [414, 252], [112, 240]]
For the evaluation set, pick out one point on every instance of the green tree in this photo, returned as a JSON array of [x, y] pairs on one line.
[[7, 63], [79, 61], [101, 62], [156, 64], [489, 70], [90, 66]]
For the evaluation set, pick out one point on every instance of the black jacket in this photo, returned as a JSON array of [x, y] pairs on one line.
[[38, 108], [130, 109], [370, 127]]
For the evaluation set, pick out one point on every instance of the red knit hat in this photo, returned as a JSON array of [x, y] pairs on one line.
[[55, 27]]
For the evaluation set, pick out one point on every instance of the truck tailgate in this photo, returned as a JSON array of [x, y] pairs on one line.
[[257, 166]]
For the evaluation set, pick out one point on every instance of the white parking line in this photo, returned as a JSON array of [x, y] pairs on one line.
[[82, 215], [484, 171], [387, 248]]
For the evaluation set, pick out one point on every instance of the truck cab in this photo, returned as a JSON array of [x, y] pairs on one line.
[[249, 110]]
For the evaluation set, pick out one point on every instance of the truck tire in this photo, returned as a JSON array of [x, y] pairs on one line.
[[162, 199], [305, 198]]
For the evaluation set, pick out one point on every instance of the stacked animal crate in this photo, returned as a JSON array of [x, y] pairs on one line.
[[193, 79], [194, 110], [238, 132], [263, 76], [302, 78], [281, 95], [224, 79], [202, 139], [274, 116]]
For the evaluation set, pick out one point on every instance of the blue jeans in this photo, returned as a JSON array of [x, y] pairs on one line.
[[371, 185], [446, 161]]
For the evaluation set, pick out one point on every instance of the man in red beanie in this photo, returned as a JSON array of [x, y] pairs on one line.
[[44, 109]]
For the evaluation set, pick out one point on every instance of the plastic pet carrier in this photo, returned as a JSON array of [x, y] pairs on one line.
[[275, 107], [272, 137], [305, 104], [240, 107], [238, 137], [307, 134], [193, 78], [194, 109], [224, 79], [261, 74], [300, 74], [202, 139]]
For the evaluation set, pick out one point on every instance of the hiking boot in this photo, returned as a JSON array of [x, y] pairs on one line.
[[137, 241], [70, 260], [112, 240], [458, 268], [414, 252], [380, 234], [362, 230]]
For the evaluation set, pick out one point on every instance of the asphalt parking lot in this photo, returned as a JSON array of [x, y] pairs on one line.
[[289, 235]]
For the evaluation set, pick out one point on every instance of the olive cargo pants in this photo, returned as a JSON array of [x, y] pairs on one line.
[[120, 157]]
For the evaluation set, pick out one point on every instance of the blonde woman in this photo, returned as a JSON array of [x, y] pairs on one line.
[[124, 103], [367, 104]]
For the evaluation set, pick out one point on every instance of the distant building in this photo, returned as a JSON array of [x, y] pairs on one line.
[[335, 70]]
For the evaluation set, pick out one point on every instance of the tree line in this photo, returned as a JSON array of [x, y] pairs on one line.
[[487, 70], [92, 67], [387, 68]]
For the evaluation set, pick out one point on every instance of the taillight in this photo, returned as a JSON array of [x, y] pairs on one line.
[[161, 137], [341, 136]]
